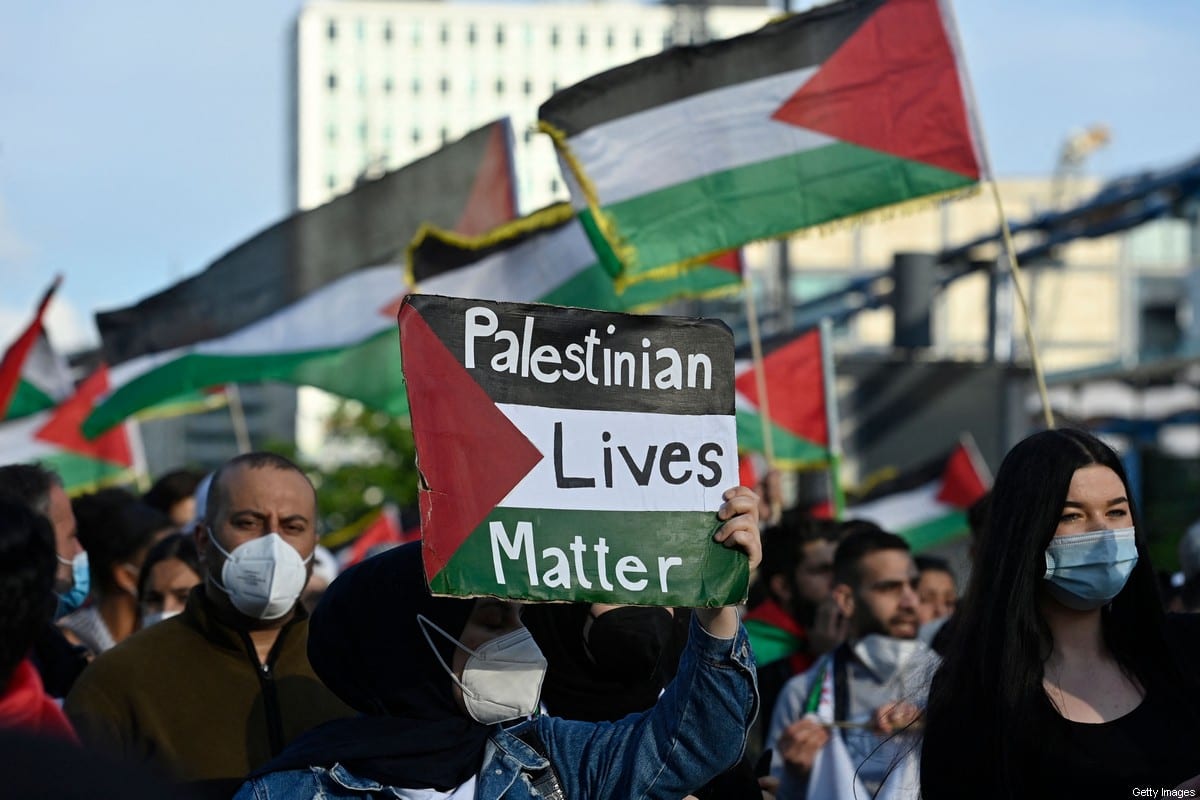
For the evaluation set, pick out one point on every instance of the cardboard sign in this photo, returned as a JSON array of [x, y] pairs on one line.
[[569, 454]]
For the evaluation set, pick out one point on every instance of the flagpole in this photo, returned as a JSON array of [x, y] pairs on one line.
[[829, 384], [1030, 340], [1009, 249], [760, 383], [237, 414]]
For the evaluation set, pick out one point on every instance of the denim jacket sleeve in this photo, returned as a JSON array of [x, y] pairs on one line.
[[696, 730]]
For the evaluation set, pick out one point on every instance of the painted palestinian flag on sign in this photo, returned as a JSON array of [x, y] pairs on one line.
[[547, 257], [572, 455], [312, 300], [796, 374], [847, 108], [928, 504]]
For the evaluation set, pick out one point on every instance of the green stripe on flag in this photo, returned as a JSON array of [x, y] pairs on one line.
[[594, 288], [80, 474], [790, 450], [368, 372], [639, 546], [28, 399], [723, 210], [937, 531]]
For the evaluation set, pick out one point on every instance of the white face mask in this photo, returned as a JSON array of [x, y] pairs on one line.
[[502, 680], [157, 617], [263, 577], [886, 655]]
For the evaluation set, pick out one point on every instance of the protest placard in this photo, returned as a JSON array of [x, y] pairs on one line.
[[569, 454]]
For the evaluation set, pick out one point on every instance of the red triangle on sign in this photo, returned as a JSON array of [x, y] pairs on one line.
[[63, 429], [893, 86], [962, 484], [795, 379], [471, 455], [492, 199]]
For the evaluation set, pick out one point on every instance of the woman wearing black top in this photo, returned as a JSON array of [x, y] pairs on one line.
[[1063, 677]]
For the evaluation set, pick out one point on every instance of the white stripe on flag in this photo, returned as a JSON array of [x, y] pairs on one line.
[[583, 457], [904, 510], [521, 274], [344, 313], [725, 129]]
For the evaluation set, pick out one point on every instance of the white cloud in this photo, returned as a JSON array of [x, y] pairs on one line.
[[69, 329]]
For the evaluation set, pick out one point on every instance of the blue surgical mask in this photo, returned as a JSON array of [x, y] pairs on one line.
[[74, 597], [1088, 570]]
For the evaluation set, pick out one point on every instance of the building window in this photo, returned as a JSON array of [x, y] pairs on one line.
[[583, 37], [445, 35], [554, 185], [362, 130], [362, 84], [554, 37], [527, 87], [667, 39], [416, 34], [416, 136], [610, 39], [445, 85], [331, 181], [472, 85], [387, 133], [528, 34], [332, 81], [361, 30], [387, 32], [331, 32], [332, 133], [499, 86], [500, 35], [444, 134], [416, 86], [387, 85], [471, 33], [528, 135], [637, 40], [553, 86]]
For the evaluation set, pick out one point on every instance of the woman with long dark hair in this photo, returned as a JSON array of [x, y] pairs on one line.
[[1063, 677]]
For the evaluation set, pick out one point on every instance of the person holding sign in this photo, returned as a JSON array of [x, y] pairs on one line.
[[446, 685]]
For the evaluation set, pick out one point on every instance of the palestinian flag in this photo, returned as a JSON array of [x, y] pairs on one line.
[[797, 373], [33, 376], [569, 454], [54, 438], [547, 257], [847, 108], [928, 505], [312, 300]]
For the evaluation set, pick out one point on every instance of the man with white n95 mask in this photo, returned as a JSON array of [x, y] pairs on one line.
[[218, 690]]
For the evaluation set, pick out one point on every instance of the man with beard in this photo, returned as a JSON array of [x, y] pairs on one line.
[[797, 620], [841, 729]]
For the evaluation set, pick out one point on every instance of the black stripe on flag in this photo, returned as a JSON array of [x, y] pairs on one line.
[[369, 226], [560, 328], [799, 41]]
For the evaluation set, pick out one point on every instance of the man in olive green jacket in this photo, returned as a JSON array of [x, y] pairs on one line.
[[216, 692]]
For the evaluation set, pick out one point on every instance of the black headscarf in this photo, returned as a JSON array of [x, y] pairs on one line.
[[365, 644], [633, 655]]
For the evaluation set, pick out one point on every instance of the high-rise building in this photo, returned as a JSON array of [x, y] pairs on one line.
[[378, 84]]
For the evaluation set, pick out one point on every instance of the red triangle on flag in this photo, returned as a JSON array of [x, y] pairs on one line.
[[893, 86], [13, 360], [730, 261], [392, 309], [63, 429], [492, 200], [795, 379], [462, 440], [962, 484]]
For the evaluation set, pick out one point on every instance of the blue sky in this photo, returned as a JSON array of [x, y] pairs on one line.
[[140, 140]]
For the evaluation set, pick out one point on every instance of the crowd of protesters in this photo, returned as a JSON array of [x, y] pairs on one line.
[[195, 641]]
